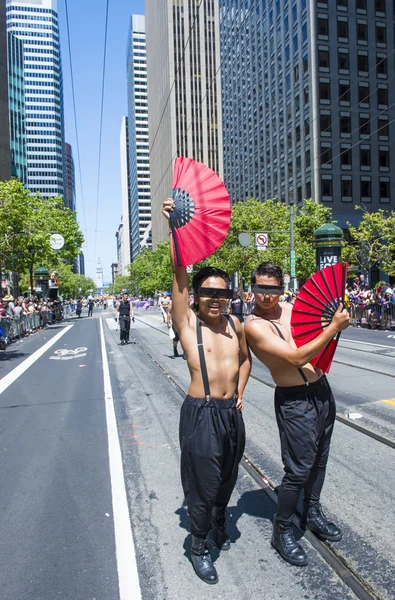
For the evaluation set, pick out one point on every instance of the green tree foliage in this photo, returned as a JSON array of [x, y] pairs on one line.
[[151, 271], [372, 243], [27, 222], [71, 285], [272, 217], [121, 282]]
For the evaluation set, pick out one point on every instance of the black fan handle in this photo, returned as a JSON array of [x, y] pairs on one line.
[[175, 242]]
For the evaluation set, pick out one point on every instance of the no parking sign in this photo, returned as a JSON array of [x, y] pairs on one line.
[[261, 240]]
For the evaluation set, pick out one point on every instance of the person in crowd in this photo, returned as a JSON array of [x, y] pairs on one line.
[[304, 406], [91, 304], [173, 333], [78, 308], [124, 314], [212, 434], [236, 305], [164, 302]]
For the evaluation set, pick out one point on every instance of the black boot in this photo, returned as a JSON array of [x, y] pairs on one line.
[[175, 352], [314, 519], [218, 525], [201, 561], [283, 540]]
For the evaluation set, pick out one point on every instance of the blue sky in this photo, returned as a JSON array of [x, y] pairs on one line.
[[87, 19]]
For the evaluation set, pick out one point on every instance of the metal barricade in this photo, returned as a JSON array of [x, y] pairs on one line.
[[373, 316]]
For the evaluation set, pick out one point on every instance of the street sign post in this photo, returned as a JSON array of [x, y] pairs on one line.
[[261, 240], [56, 241], [293, 263]]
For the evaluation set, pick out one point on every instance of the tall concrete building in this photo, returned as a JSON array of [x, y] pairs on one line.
[[5, 164], [35, 22], [120, 249], [82, 264], [308, 103], [69, 188], [126, 246], [184, 92], [16, 90], [137, 137]]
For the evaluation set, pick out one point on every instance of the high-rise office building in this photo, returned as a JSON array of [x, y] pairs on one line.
[[5, 170], [16, 90], [35, 22], [184, 92], [126, 247], [138, 139], [308, 104], [82, 263], [120, 249], [69, 188]]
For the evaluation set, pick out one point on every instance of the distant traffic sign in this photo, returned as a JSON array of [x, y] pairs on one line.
[[261, 240], [287, 278]]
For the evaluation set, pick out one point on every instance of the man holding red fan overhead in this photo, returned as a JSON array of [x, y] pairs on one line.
[[212, 434], [304, 405]]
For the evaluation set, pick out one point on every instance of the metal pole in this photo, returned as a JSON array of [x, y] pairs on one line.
[[291, 226]]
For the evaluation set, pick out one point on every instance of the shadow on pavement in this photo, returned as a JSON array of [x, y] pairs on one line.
[[8, 355]]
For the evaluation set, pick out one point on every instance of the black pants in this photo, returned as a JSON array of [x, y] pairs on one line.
[[212, 439], [305, 418], [90, 311], [124, 324]]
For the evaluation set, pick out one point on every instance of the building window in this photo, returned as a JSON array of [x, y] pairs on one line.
[[380, 6], [325, 124], [363, 62], [381, 35], [306, 128], [344, 93], [366, 189], [307, 159], [381, 65], [346, 157], [326, 156], [346, 188], [363, 93], [325, 90], [382, 97], [384, 188], [384, 159], [323, 27], [308, 189], [361, 5], [362, 32], [365, 157], [323, 59], [326, 189], [383, 129], [343, 60], [345, 125], [364, 126], [342, 29], [342, 4]]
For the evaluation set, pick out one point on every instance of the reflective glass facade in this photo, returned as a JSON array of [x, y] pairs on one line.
[[5, 171], [36, 24], [69, 196], [16, 90], [308, 107]]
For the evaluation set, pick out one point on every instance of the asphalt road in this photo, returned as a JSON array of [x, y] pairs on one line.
[[60, 501]]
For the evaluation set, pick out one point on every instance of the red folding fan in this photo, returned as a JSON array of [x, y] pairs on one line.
[[314, 308], [201, 217]]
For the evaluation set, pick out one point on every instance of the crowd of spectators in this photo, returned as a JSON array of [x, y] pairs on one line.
[[371, 306]]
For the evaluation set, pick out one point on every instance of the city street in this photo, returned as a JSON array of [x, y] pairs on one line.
[[70, 531]]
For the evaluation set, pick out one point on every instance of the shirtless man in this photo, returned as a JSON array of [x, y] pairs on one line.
[[304, 405], [212, 434]]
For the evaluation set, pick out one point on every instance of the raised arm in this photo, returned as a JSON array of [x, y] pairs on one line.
[[181, 312], [268, 343]]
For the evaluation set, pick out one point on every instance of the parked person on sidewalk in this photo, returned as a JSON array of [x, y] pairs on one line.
[[304, 405], [124, 314], [212, 434]]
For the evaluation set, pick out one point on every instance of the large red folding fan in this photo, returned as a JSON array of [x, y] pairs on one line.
[[201, 217], [314, 308]]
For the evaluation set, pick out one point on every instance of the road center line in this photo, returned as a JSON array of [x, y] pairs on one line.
[[28, 362], [391, 402], [128, 578]]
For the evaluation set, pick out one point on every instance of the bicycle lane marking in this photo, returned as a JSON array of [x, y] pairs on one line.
[[22, 367], [128, 578]]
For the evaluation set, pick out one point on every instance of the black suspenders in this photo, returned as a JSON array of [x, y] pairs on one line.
[[283, 338], [202, 358]]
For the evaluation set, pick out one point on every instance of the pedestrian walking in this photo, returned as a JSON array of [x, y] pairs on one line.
[[304, 406], [124, 314], [212, 434], [91, 304], [164, 302]]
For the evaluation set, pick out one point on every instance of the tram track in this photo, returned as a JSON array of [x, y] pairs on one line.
[[345, 571], [364, 430]]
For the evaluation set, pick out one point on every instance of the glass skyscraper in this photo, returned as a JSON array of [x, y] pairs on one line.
[[35, 22], [69, 195], [308, 103], [137, 138], [4, 126], [16, 90]]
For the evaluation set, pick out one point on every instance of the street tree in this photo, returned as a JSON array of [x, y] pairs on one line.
[[372, 242], [151, 271]]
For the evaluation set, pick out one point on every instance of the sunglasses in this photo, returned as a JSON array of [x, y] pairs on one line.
[[208, 292], [269, 290]]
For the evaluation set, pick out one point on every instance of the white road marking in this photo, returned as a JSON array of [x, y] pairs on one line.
[[20, 369], [367, 343], [112, 324], [64, 354], [128, 578]]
